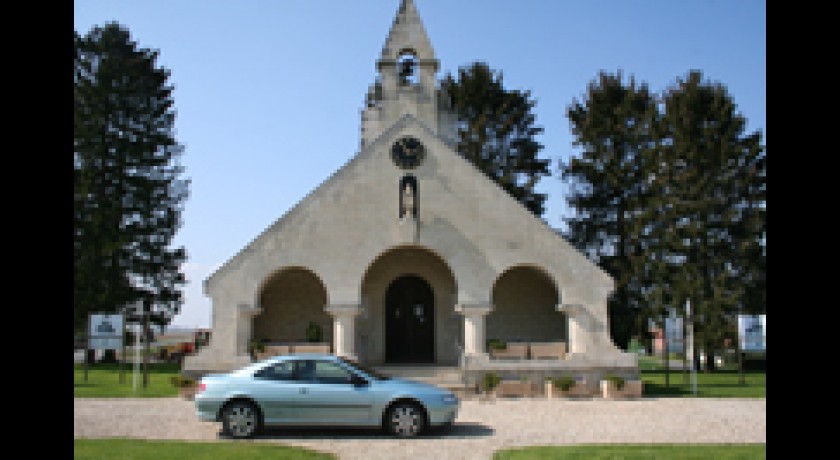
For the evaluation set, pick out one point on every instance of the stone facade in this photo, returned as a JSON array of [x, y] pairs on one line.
[[494, 270]]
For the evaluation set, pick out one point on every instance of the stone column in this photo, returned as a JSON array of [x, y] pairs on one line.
[[344, 334], [579, 328], [474, 326], [245, 326]]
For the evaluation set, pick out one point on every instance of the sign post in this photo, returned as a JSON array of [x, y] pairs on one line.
[[752, 338], [104, 333]]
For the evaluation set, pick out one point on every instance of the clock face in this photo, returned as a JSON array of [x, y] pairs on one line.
[[408, 153]]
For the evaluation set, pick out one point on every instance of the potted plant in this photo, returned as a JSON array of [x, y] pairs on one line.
[[185, 386], [313, 332], [489, 383], [560, 385], [256, 347], [494, 346]]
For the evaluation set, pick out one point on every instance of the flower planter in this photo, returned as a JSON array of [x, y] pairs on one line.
[[631, 389], [513, 388], [609, 390]]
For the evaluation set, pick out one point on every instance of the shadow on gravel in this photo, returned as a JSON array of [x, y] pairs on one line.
[[457, 430]]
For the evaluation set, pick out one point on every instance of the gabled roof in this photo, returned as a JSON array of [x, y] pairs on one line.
[[336, 176]]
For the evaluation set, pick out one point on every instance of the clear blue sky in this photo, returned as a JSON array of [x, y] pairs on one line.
[[268, 92]]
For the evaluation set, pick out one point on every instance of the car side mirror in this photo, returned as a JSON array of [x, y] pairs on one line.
[[358, 381]]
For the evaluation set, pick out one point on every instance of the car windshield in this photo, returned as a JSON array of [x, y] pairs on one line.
[[371, 372]]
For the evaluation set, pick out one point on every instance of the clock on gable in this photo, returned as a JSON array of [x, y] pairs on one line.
[[408, 152]]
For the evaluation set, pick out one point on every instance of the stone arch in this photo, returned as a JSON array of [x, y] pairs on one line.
[[525, 299], [390, 265], [289, 299]]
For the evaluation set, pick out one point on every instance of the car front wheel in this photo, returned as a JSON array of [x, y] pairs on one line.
[[405, 419], [240, 419]]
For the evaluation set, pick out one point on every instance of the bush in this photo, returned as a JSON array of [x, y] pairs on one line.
[[491, 380], [313, 333], [496, 344], [616, 379], [257, 345], [179, 381], [564, 383]]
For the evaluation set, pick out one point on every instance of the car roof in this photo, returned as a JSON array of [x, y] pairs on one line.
[[306, 356]]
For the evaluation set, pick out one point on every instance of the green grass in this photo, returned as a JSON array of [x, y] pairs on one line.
[[722, 383], [104, 381], [637, 451], [135, 449]]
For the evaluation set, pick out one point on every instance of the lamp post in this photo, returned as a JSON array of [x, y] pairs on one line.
[[690, 345], [740, 347]]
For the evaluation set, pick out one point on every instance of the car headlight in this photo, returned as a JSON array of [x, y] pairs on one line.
[[450, 399]]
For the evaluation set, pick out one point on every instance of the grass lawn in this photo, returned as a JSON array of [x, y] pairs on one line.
[[136, 449], [722, 383], [104, 381], [637, 451]]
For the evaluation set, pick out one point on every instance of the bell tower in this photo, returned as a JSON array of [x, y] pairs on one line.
[[407, 81]]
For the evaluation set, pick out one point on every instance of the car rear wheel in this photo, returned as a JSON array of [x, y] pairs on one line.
[[405, 420], [240, 419]]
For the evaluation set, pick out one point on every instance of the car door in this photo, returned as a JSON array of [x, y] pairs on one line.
[[330, 397], [276, 389]]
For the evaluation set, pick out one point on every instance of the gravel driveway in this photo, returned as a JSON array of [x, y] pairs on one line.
[[481, 428]]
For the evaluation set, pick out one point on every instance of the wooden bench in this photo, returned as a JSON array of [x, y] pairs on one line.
[[548, 350], [514, 350], [323, 348]]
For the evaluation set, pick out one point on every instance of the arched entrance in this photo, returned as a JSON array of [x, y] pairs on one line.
[[397, 280], [410, 321], [291, 299], [525, 302]]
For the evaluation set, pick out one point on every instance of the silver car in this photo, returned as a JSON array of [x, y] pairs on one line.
[[320, 390]]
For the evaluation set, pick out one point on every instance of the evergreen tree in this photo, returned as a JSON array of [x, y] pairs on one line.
[[671, 203], [720, 195], [613, 126], [128, 192], [497, 132]]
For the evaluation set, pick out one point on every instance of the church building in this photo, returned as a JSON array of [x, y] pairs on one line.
[[410, 254]]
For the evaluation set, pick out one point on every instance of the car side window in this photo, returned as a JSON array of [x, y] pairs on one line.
[[279, 371], [330, 372], [305, 370]]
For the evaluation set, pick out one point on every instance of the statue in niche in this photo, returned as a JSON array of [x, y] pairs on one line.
[[408, 199]]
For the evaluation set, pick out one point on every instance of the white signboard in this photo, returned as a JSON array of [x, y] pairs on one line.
[[674, 332], [106, 331], [752, 332]]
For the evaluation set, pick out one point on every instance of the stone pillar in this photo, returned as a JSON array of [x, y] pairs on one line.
[[579, 328], [245, 326], [344, 334], [474, 326]]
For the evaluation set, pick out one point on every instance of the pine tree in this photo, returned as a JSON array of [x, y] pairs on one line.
[[613, 127], [721, 197], [497, 132], [128, 192]]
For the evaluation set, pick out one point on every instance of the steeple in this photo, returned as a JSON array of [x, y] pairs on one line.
[[407, 82], [407, 33]]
